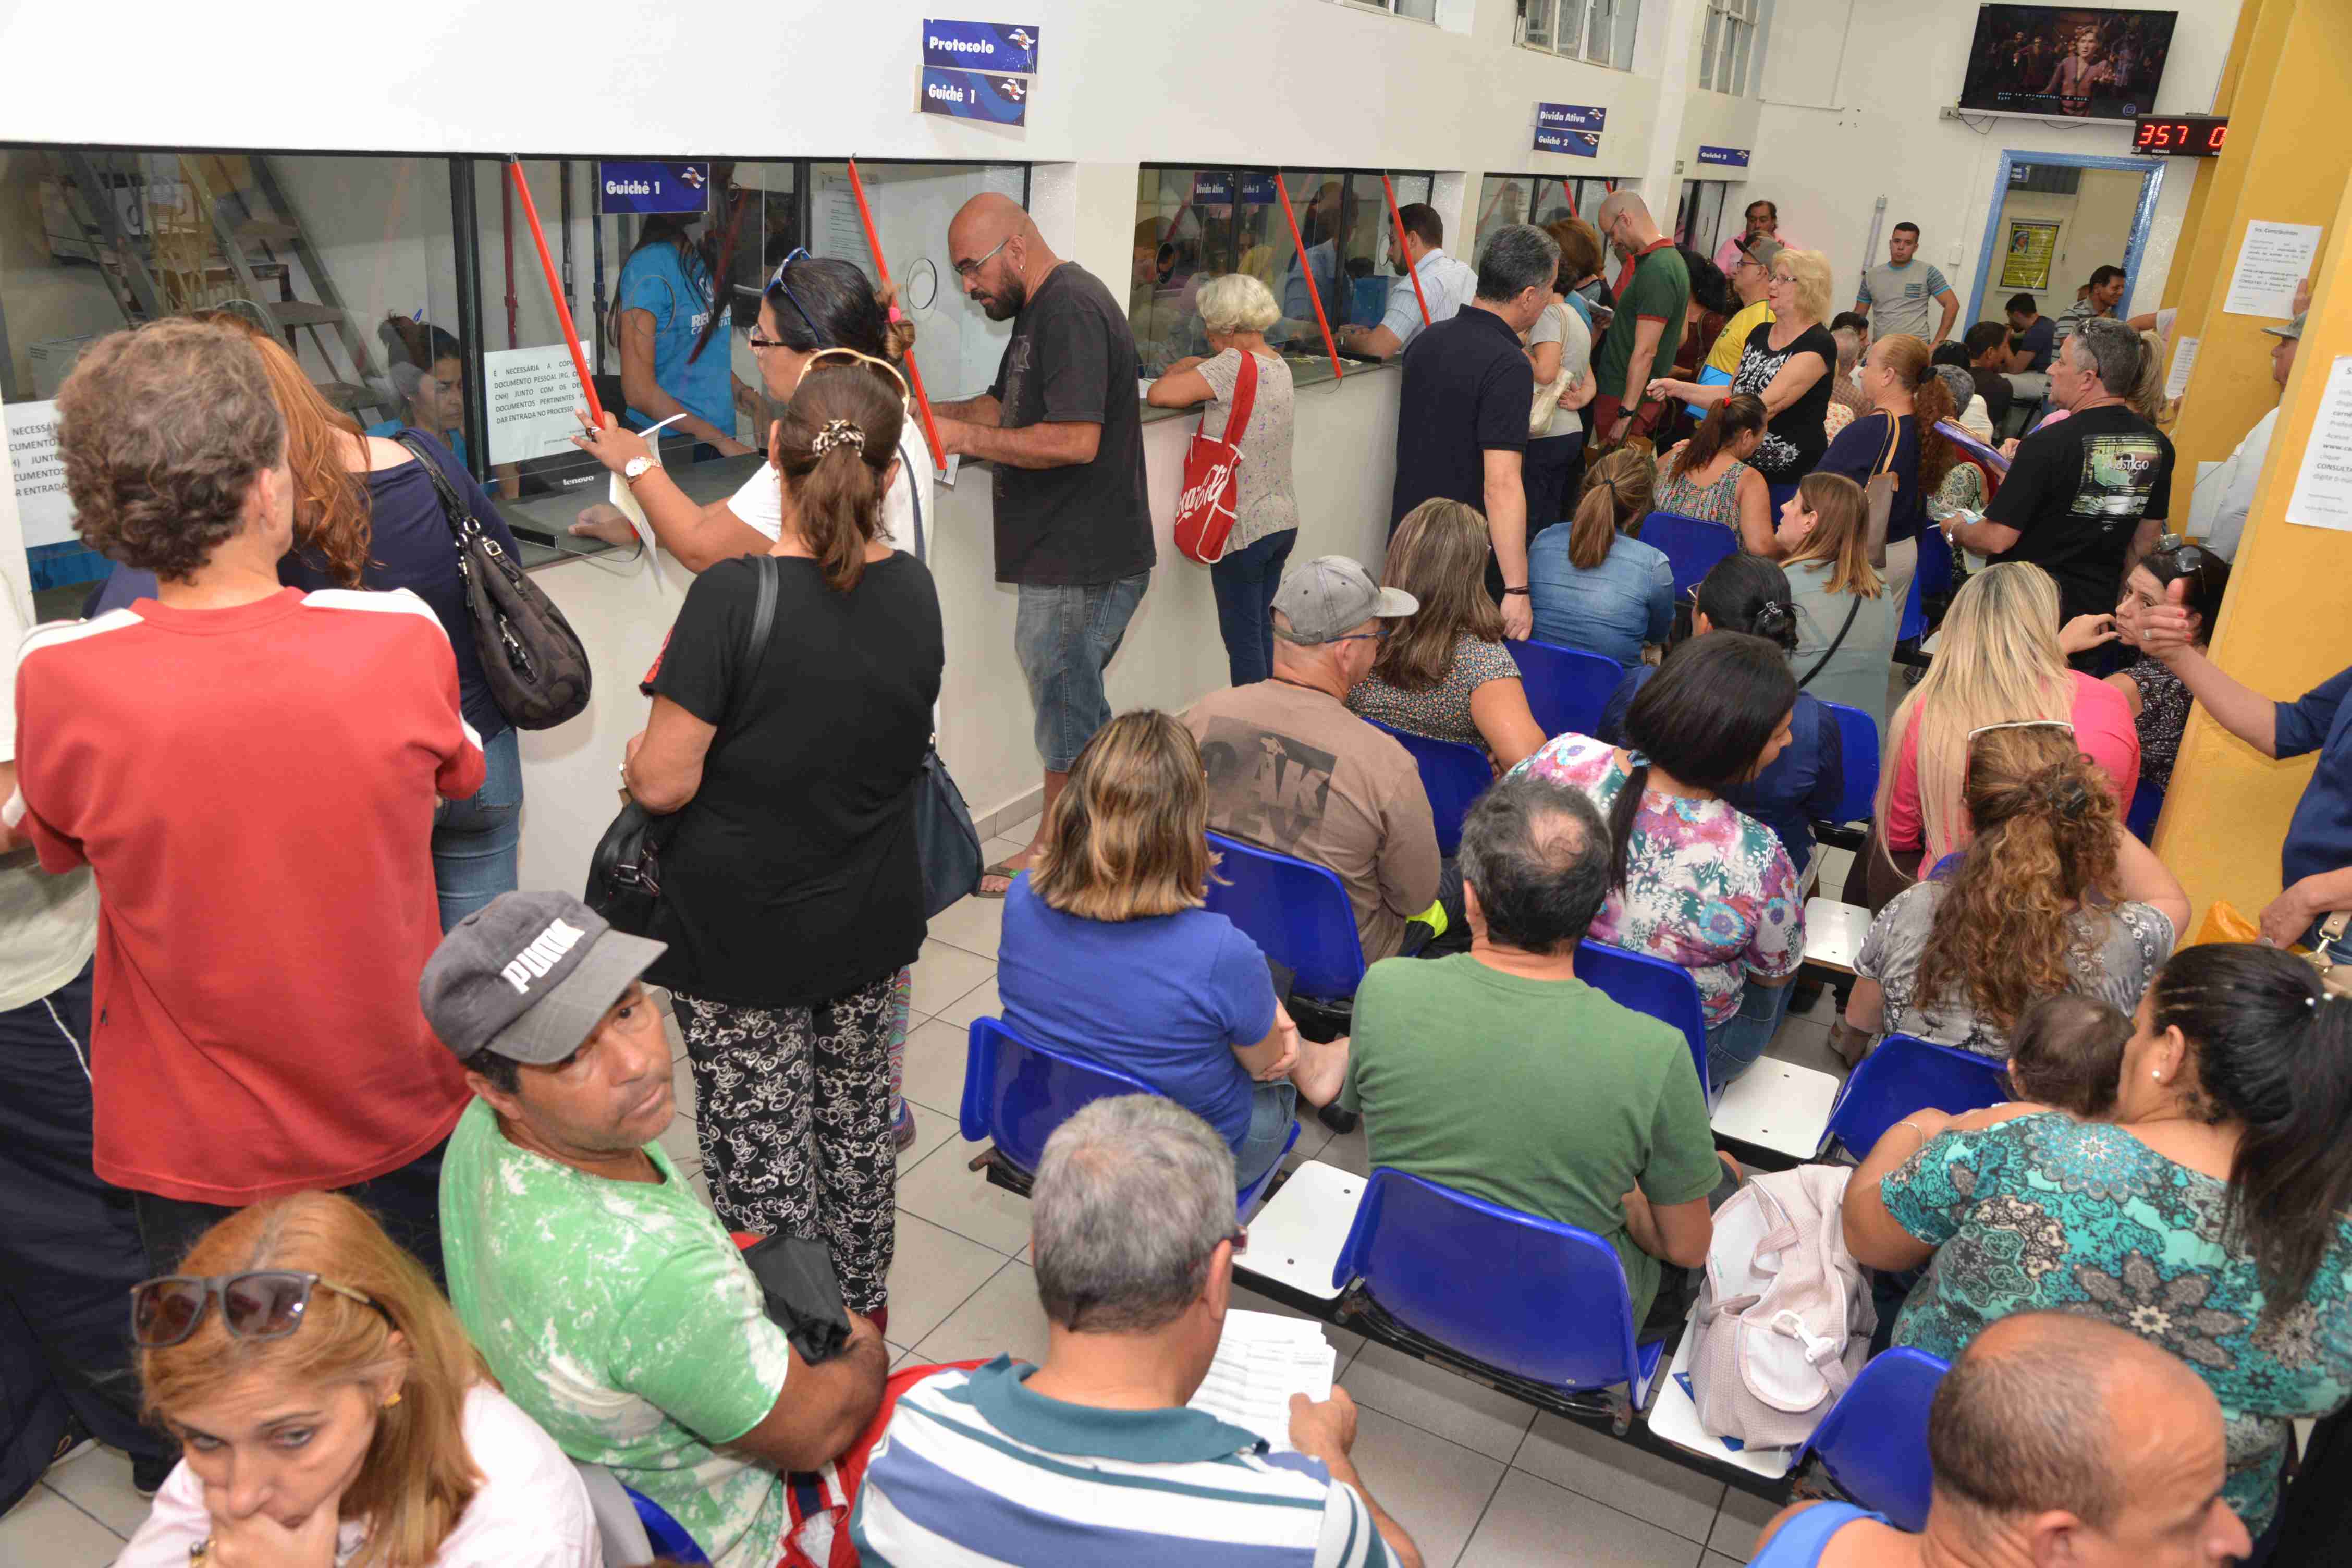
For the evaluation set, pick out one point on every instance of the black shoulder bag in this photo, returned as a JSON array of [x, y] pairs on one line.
[[532, 658], [945, 839], [624, 874]]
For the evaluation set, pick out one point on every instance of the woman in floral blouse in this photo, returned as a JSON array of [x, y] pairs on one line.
[[2208, 1217], [1693, 880]]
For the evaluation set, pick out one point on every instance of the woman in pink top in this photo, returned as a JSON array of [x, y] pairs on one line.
[[1998, 660]]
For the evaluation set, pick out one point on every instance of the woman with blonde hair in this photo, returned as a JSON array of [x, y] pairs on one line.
[[1108, 953], [367, 515], [1443, 671], [1998, 660], [1789, 362], [2053, 896], [1592, 584], [1235, 311], [1846, 617], [333, 1414], [1899, 436]]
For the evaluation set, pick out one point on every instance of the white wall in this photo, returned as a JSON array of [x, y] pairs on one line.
[[1850, 97]]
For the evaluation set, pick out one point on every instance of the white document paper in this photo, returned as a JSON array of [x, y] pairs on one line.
[[2323, 489], [2184, 360], [2271, 259], [43, 507], [1263, 1359], [532, 394]]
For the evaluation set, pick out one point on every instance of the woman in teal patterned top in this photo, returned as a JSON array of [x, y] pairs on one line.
[[2209, 1218]]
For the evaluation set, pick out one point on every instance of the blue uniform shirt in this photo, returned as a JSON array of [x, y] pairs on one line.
[[655, 279]]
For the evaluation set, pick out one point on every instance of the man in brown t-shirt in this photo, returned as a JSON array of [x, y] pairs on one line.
[[1290, 768]]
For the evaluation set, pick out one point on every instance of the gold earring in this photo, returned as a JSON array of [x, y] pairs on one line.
[[392, 1399]]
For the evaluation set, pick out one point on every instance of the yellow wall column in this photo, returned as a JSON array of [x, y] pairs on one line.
[[2278, 166], [2207, 171], [2286, 625]]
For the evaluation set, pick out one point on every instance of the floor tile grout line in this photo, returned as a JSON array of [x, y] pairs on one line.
[[1611, 1507], [1009, 1256], [1484, 1509], [69, 1502], [959, 1306]]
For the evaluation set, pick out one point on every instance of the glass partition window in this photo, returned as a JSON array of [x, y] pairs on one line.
[[1193, 224], [1698, 220], [340, 258], [1506, 199], [1599, 32], [1722, 51]]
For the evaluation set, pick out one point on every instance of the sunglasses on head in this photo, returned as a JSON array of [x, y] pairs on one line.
[[2022, 725], [824, 359], [776, 285], [256, 1304]]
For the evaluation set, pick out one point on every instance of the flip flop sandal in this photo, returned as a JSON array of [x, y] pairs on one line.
[[1001, 869]]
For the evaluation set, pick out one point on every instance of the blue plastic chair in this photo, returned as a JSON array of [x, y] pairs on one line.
[[2147, 803], [664, 1534], [1858, 749], [1452, 774], [1297, 912], [1533, 1298], [1873, 1441], [1693, 545], [1648, 984], [1016, 1093], [1567, 686], [1905, 1075]]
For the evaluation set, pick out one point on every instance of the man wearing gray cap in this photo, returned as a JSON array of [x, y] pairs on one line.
[[1290, 768], [601, 1288], [2218, 511]]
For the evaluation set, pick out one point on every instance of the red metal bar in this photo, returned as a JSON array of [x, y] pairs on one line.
[[1314, 295], [1396, 215], [555, 288], [882, 269]]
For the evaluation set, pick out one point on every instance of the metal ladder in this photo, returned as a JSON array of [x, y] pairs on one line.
[[249, 242]]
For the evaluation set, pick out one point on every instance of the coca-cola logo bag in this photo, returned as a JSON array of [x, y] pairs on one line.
[[1205, 512]]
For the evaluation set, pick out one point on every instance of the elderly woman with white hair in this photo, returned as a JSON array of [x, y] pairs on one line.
[[1236, 311]]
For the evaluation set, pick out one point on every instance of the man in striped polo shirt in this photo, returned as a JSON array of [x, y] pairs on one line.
[[1093, 1456]]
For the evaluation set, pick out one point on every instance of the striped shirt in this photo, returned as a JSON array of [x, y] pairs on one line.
[[975, 1470]]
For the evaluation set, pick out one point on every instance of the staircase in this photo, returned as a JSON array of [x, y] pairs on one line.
[[165, 247]]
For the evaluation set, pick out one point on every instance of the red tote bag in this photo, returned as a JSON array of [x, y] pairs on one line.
[[1205, 512]]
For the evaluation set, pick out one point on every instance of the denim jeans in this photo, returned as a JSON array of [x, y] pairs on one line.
[[1065, 635], [1732, 1045], [475, 841], [1272, 1107], [1244, 581]]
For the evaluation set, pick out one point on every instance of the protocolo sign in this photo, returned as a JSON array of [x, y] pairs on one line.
[[978, 70]]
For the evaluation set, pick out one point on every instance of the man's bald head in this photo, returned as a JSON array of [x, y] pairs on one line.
[[1617, 204], [1623, 219], [983, 221], [997, 253], [2052, 1413]]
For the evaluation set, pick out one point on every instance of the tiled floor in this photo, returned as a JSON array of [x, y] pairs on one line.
[[1478, 1479]]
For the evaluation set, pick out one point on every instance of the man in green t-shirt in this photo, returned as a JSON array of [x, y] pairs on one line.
[[1604, 1123], [604, 1294], [1647, 331]]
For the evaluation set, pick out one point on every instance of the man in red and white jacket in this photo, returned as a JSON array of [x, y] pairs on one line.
[[252, 773]]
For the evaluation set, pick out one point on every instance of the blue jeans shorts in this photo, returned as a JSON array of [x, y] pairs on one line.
[[1272, 1107], [1065, 636]]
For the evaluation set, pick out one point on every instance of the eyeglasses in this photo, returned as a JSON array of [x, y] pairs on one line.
[[969, 269], [256, 1304], [2023, 724], [1381, 633], [825, 358], [776, 284]]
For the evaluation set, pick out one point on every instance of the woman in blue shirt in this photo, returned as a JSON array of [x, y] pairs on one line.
[[1107, 953], [662, 304], [1593, 586], [1801, 785]]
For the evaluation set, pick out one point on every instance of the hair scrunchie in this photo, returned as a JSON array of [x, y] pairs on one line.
[[838, 433]]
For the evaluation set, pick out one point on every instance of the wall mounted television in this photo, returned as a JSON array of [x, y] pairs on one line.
[[2067, 60]]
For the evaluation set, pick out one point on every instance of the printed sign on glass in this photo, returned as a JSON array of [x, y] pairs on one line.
[[971, 95], [652, 186], [992, 47]]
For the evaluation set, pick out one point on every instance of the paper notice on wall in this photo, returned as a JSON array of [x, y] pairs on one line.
[[2184, 360], [837, 223], [2271, 259], [43, 507], [2323, 489], [531, 396]]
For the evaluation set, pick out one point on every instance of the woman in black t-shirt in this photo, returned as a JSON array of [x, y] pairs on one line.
[[1789, 362], [791, 892]]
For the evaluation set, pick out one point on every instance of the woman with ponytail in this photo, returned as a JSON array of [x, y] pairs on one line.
[[2207, 1216], [1802, 785], [1906, 399], [331, 1412], [1694, 879], [2053, 895], [1591, 585], [791, 895], [1709, 477]]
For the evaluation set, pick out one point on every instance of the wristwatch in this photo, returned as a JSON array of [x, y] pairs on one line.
[[637, 468]]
